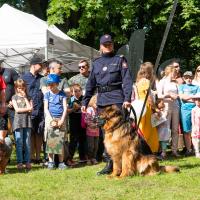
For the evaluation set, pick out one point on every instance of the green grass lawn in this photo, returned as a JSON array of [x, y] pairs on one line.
[[82, 183]]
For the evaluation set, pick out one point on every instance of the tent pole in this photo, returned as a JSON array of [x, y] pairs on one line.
[[46, 48]]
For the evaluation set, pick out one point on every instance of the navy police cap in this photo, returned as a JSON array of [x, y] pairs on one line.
[[105, 38]]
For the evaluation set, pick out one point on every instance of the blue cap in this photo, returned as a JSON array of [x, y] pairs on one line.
[[105, 38], [53, 78]]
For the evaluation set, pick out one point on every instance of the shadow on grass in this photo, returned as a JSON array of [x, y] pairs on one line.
[[12, 169], [190, 166]]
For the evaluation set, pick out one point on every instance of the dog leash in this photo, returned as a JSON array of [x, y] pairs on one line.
[[159, 57]]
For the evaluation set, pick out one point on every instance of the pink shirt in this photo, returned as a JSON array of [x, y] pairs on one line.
[[92, 128], [196, 122]]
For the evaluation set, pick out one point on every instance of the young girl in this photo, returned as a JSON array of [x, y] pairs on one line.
[[92, 130], [196, 127], [22, 124], [163, 130], [55, 108]]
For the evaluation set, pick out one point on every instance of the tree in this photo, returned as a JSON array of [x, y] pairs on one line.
[[121, 17]]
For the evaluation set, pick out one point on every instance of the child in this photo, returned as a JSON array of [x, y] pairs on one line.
[[196, 127], [92, 130], [22, 124], [77, 133], [186, 93], [163, 130], [55, 108]]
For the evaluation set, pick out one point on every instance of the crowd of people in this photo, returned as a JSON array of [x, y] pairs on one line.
[[40, 108]]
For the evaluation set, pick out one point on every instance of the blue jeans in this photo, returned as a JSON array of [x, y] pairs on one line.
[[22, 137]]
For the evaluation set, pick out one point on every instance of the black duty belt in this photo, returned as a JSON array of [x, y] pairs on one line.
[[108, 88]]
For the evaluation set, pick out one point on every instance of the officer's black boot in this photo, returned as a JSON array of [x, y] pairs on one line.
[[107, 169]]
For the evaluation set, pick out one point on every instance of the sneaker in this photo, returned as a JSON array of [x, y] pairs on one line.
[[62, 166], [51, 165], [89, 162], [94, 161], [28, 166], [45, 164], [162, 156], [20, 167], [188, 153], [71, 163], [175, 154]]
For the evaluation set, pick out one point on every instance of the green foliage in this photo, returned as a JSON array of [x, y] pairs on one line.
[[122, 17]]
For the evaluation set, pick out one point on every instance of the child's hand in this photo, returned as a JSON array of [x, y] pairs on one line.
[[54, 123], [60, 123], [23, 94], [76, 106], [30, 108], [10, 104]]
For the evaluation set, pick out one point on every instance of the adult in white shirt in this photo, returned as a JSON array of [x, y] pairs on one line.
[[196, 80], [167, 90]]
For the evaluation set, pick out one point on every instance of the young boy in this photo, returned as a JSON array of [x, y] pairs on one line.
[[55, 108], [77, 133], [186, 92]]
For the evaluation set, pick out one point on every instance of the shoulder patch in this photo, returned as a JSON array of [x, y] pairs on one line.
[[124, 64]]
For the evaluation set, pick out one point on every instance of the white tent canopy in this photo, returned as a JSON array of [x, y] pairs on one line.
[[23, 34]]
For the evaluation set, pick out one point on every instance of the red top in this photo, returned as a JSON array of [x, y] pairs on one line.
[[2, 83]]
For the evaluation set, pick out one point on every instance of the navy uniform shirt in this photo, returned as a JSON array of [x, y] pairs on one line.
[[109, 70], [34, 92]]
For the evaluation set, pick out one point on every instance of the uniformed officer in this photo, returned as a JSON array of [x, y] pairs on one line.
[[111, 77]]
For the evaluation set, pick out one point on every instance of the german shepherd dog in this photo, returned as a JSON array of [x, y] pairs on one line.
[[123, 145]]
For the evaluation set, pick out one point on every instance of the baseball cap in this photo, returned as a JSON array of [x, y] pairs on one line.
[[188, 73], [37, 59], [53, 78], [105, 38]]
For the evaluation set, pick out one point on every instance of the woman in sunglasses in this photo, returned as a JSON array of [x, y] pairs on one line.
[[196, 80]]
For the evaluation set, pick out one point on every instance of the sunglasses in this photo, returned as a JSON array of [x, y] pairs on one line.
[[82, 67]]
